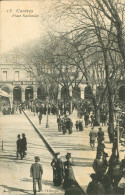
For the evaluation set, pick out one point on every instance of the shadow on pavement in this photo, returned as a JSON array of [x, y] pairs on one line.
[[15, 189]]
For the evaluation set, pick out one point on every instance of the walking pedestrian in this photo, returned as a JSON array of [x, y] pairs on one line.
[[92, 136], [23, 145], [100, 135], [19, 147], [59, 121], [40, 117], [36, 172]]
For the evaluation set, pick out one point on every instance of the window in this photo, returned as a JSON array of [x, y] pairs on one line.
[[4, 75], [16, 75]]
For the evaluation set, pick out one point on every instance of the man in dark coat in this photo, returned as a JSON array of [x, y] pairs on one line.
[[59, 122], [95, 187], [23, 145], [40, 117], [36, 172], [100, 135], [19, 147]]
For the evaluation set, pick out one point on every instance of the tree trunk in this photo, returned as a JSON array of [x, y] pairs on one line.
[[110, 95]]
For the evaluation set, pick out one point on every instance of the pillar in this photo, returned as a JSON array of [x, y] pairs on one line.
[[35, 94], [23, 95]]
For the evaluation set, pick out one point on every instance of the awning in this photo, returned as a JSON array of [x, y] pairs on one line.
[[4, 94]]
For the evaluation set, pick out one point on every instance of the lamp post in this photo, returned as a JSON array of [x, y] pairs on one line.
[[47, 119]]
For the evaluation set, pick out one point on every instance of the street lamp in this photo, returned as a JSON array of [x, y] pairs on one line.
[[47, 119]]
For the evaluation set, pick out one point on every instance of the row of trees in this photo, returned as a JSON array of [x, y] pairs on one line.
[[90, 49]]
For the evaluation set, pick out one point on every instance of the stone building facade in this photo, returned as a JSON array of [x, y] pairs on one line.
[[15, 80]]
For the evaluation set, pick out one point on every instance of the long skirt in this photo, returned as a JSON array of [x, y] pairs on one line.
[[68, 178]]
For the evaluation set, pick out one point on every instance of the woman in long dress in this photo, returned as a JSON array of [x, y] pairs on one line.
[[68, 172], [57, 166]]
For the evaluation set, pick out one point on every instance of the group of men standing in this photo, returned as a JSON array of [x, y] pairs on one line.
[[21, 146], [65, 124]]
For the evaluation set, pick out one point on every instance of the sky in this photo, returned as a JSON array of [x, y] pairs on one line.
[[17, 29]]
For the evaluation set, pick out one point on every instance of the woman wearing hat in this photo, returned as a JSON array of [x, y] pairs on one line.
[[57, 166], [69, 174]]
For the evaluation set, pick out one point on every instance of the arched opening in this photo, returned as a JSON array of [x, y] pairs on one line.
[[122, 93], [87, 92], [17, 94], [76, 93], [41, 93], [28, 93]]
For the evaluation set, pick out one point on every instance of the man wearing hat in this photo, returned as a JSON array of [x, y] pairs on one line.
[[36, 172]]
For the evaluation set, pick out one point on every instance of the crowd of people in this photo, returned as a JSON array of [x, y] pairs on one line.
[[109, 174]]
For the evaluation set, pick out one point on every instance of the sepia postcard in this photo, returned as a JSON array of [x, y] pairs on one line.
[[62, 97]]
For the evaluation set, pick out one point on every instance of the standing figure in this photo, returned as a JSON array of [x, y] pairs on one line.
[[77, 125], [40, 117], [69, 125], [95, 187], [36, 172], [19, 147], [100, 135], [100, 165], [86, 118], [59, 123], [92, 136], [80, 124], [23, 145], [69, 174], [57, 166], [64, 125]]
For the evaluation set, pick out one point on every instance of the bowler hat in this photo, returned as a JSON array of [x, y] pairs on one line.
[[37, 158], [68, 155]]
